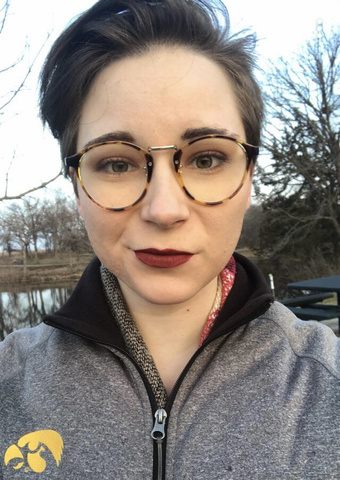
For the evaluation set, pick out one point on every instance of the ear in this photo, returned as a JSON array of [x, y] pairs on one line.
[[79, 207], [74, 180], [250, 179]]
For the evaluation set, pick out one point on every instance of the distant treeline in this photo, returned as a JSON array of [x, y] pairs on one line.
[[52, 225]]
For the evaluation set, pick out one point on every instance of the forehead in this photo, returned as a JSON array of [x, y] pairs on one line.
[[162, 92]]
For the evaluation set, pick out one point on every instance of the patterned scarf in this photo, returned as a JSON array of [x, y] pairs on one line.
[[134, 342]]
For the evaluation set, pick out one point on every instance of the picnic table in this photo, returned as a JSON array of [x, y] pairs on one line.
[[307, 306]]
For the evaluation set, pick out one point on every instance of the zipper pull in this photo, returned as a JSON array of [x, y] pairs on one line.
[[158, 434], [158, 431]]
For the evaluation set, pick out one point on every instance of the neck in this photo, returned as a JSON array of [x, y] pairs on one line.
[[186, 318], [171, 332]]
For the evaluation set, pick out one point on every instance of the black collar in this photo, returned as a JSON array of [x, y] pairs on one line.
[[249, 298], [87, 313]]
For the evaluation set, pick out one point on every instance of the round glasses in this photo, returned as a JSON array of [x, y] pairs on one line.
[[116, 174]]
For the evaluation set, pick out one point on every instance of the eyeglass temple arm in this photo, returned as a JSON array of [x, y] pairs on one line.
[[252, 151], [72, 161]]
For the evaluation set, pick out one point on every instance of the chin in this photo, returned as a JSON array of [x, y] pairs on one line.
[[166, 296], [160, 292]]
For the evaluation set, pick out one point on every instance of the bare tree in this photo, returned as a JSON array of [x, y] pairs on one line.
[[53, 225], [62, 228], [7, 97], [302, 211], [17, 224]]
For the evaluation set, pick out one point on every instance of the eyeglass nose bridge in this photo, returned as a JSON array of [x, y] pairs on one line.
[[176, 162], [165, 147], [177, 153]]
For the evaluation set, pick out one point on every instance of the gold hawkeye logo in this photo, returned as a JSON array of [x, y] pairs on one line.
[[27, 452]]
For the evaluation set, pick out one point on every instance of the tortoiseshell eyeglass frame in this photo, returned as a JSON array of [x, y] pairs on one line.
[[251, 151]]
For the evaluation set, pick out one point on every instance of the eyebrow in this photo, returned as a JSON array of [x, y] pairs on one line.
[[192, 133], [189, 134], [119, 135]]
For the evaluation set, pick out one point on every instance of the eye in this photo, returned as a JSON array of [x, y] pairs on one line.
[[116, 166], [207, 160]]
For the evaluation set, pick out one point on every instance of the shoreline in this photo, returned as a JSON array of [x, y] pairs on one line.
[[44, 274]]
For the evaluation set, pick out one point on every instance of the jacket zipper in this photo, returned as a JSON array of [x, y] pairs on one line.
[[158, 435]]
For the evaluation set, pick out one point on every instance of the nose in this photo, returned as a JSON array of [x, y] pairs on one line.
[[165, 204]]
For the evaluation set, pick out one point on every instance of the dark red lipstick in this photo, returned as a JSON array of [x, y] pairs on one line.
[[167, 258]]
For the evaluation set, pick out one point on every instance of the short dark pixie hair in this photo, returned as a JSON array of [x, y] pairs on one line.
[[114, 29]]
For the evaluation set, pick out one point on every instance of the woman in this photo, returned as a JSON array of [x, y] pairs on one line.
[[170, 359]]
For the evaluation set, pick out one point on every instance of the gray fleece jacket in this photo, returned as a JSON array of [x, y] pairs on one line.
[[259, 401]]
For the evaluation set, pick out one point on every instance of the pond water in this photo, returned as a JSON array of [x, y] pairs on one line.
[[26, 308]]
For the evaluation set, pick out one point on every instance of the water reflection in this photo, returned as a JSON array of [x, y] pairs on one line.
[[26, 309]]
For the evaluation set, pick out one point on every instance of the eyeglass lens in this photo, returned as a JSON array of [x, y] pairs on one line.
[[115, 175]]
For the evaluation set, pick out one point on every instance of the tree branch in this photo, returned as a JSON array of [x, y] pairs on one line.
[[5, 10], [23, 81], [34, 189]]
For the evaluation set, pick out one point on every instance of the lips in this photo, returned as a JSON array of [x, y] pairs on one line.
[[167, 258]]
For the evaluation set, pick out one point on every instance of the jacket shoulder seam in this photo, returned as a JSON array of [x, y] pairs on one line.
[[332, 371], [26, 351]]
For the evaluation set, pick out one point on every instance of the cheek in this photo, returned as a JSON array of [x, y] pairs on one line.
[[97, 221], [92, 215], [92, 225], [226, 224], [106, 230]]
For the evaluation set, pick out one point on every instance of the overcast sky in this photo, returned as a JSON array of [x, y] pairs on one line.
[[282, 27]]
